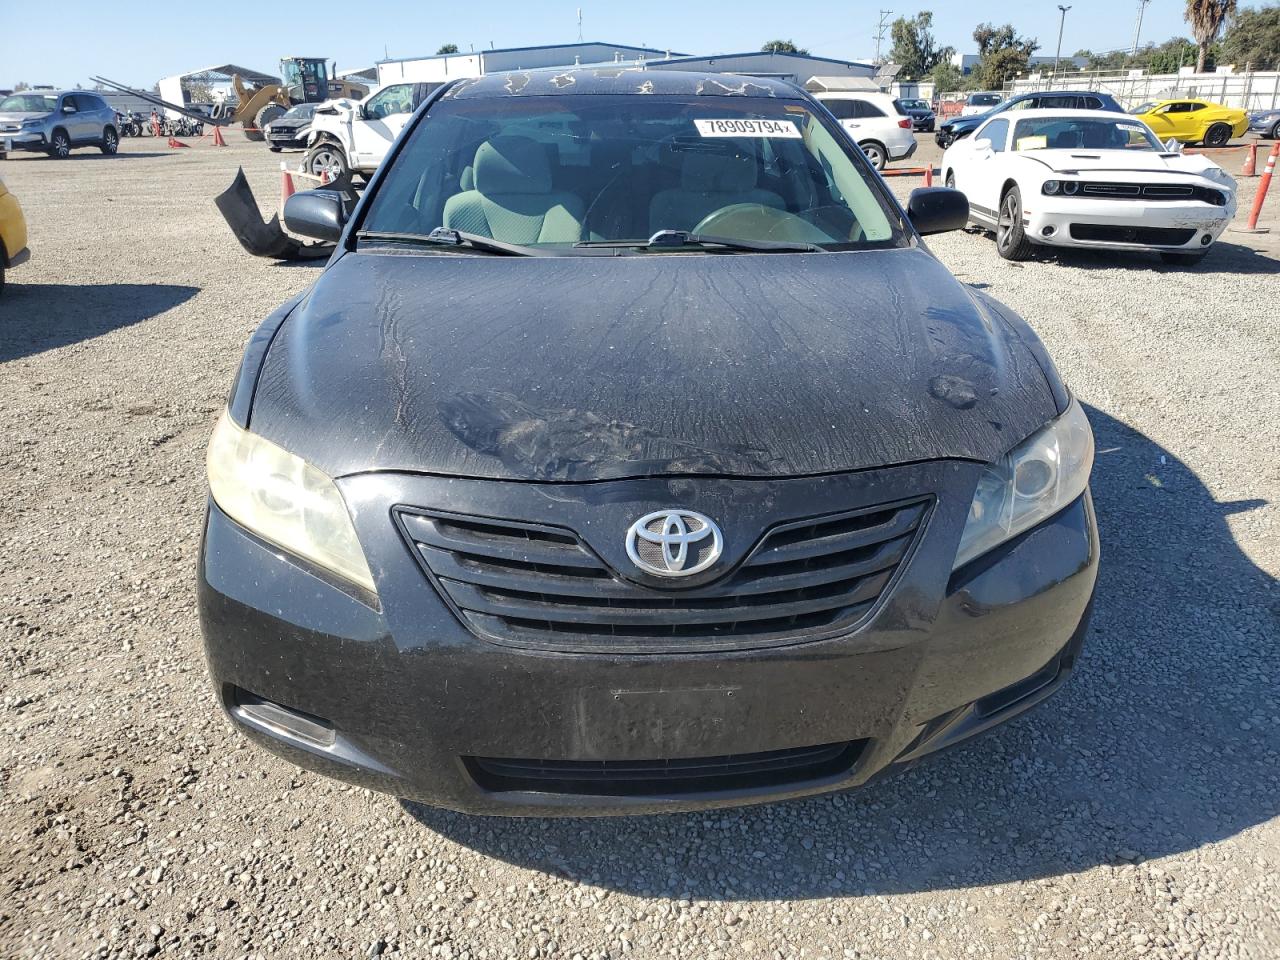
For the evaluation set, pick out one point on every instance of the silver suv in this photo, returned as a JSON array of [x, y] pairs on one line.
[[53, 122]]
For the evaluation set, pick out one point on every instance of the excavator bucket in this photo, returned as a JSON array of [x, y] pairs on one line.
[[262, 239]]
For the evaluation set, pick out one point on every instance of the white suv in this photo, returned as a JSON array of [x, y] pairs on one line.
[[875, 120], [350, 137]]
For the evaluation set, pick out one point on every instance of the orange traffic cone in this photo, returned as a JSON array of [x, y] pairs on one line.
[[1251, 161], [217, 137], [928, 175], [286, 184], [324, 177]]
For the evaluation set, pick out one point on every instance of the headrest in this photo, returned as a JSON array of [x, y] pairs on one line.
[[718, 172], [510, 164], [468, 179]]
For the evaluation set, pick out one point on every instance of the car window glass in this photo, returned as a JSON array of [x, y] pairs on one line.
[[869, 110], [397, 99], [69, 102], [840, 109], [1193, 107], [1031, 103], [995, 133], [1079, 133], [1090, 103], [552, 170]]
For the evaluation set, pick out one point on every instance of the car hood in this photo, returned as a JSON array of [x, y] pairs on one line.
[[1126, 161], [573, 368], [11, 116]]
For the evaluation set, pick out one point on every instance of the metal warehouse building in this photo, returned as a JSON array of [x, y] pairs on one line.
[[798, 68], [451, 66]]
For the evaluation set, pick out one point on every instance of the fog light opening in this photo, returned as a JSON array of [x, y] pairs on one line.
[[1206, 240], [281, 719], [1048, 231]]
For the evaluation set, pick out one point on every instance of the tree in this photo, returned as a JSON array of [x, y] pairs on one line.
[[447, 48], [946, 77], [1254, 37], [1206, 18], [783, 46], [1004, 54], [20, 86], [1172, 55], [914, 48]]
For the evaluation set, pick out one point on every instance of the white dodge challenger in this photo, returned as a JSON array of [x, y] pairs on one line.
[[1087, 178]]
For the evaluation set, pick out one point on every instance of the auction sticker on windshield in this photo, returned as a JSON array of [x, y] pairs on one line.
[[748, 128]]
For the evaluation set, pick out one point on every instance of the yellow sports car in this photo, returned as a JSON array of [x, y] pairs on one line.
[[1194, 121], [13, 233]]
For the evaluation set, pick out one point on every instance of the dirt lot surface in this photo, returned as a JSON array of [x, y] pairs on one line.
[[1136, 814]]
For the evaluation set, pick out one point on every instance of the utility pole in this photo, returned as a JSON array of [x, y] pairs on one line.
[[579, 24], [884, 18], [1062, 22], [1142, 8]]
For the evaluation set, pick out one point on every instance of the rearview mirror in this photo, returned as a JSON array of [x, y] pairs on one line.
[[930, 209], [319, 214]]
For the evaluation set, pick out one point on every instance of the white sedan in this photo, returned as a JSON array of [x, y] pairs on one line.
[[1088, 178]]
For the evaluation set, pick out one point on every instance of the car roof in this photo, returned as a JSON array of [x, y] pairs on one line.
[[612, 79], [1050, 112], [854, 94]]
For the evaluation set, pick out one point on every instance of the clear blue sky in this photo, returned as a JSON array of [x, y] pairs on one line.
[[139, 42]]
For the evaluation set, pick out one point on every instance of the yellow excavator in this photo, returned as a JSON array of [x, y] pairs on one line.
[[306, 80]]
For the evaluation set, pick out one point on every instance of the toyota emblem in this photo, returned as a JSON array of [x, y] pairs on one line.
[[674, 543]]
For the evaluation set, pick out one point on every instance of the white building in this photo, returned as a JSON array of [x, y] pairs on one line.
[[451, 66]]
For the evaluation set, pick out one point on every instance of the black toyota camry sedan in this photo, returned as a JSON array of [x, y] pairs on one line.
[[632, 453]]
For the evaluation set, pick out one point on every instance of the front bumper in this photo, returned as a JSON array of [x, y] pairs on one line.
[[287, 141], [12, 141], [1051, 219], [404, 699]]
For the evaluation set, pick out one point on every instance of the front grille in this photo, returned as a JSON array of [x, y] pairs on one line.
[[541, 587], [631, 778], [1153, 191], [1152, 236]]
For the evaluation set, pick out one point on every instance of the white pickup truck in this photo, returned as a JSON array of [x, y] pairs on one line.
[[352, 137]]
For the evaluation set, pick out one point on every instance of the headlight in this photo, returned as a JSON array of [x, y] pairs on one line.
[[284, 500], [28, 124], [1030, 483], [1051, 187], [1071, 188]]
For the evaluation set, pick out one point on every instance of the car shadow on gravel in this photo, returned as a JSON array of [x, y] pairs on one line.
[[1166, 740], [1224, 257], [35, 317]]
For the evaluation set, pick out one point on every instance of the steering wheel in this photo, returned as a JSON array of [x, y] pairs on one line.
[[757, 221]]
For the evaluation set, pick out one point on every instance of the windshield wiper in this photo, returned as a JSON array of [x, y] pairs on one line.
[[665, 239], [441, 236]]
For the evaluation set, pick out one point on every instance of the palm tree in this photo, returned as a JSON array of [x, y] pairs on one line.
[[1206, 18]]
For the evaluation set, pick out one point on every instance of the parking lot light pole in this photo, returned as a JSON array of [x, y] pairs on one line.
[[1062, 22]]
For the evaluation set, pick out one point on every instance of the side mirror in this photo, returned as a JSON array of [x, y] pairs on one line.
[[930, 209], [319, 214], [68, 108], [983, 146], [1173, 145]]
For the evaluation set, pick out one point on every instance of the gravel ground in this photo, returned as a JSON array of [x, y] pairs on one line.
[[1136, 814]]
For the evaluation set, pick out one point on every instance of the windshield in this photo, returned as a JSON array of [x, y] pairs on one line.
[[302, 111], [1071, 133], [914, 104], [29, 103], [1144, 107], [555, 171], [984, 99]]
